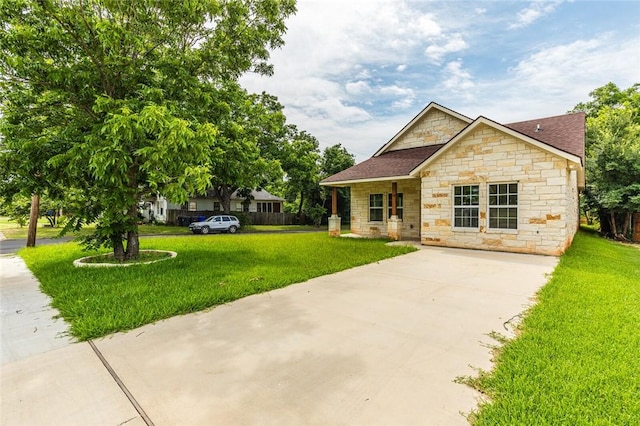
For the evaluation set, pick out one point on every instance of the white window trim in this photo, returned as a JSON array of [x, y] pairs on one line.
[[382, 208], [491, 230], [453, 210]]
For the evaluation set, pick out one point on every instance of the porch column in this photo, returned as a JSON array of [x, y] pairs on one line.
[[334, 220], [394, 225]]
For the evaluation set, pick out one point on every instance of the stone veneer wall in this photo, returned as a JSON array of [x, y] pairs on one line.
[[434, 128], [360, 224], [547, 195]]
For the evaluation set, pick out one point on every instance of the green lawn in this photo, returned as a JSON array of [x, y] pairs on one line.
[[576, 360], [208, 271], [12, 230]]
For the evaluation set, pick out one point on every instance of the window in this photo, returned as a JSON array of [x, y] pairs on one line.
[[503, 206], [375, 207], [466, 200], [264, 207], [399, 204], [216, 206], [192, 206]]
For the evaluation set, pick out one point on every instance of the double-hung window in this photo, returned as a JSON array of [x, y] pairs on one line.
[[466, 202], [503, 206], [399, 204], [375, 207]]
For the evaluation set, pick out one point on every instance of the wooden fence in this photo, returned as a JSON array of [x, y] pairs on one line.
[[184, 217]]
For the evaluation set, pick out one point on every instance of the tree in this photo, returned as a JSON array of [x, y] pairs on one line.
[[300, 163], [335, 159], [249, 128], [111, 98], [613, 156]]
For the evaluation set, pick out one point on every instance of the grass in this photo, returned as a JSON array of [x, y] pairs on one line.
[[208, 271], [576, 360], [12, 230]]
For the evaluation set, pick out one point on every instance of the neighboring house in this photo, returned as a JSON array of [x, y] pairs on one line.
[[448, 180], [263, 207], [261, 201]]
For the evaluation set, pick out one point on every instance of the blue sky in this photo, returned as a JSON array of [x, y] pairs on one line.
[[356, 71]]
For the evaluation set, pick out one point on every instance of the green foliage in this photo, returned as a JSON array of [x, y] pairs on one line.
[[251, 130], [316, 213], [97, 301], [575, 360], [613, 156], [300, 162], [117, 100]]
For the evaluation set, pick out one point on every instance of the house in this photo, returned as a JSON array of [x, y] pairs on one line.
[[260, 201], [449, 180], [263, 208]]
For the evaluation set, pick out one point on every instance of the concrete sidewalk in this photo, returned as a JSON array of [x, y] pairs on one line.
[[378, 344]]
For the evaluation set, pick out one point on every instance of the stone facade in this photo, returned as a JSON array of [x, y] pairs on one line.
[[547, 195], [360, 224], [434, 128]]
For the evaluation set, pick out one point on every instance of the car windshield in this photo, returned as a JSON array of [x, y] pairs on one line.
[[210, 219]]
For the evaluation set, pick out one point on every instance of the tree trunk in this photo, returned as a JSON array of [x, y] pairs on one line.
[[33, 220], [625, 227], [118, 247], [612, 221], [300, 207], [133, 241]]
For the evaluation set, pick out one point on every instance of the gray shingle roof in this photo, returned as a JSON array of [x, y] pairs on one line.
[[388, 164], [564, 132]]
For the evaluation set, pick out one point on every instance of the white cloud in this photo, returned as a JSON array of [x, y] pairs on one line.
[[454, 43], [358, 87], [456, 78], [533, 12], [355, 72], [554, 79]]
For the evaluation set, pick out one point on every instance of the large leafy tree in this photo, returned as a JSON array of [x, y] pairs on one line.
[[613, 157], [251, 128], [300, 162], [119, 99], [336, 158]]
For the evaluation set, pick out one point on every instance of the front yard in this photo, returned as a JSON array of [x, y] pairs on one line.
[[576, 360], [208, 271]]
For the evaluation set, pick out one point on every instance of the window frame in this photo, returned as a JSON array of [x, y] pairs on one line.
[[472, 218], [377, 209], [509, 206]]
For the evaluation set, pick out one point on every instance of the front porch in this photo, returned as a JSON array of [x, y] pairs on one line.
[[383, 209]]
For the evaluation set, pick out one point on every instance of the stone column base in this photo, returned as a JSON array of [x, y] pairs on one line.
[[394, 228], [334, 225]]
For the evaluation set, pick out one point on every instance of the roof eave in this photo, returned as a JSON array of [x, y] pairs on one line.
[[366, 180]]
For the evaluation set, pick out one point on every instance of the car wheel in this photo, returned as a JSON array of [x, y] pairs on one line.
[[232, 229], [204, 230]]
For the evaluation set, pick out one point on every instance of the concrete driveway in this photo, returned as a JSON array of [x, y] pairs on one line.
[[375, 345]]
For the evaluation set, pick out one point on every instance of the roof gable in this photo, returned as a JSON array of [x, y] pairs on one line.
[[563, 136], [434, 136], [483, 120]]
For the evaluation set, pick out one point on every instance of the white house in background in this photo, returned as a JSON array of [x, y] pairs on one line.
[[261, 201], [156, 208]]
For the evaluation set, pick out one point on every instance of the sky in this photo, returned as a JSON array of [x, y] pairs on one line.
[[355, 72]]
